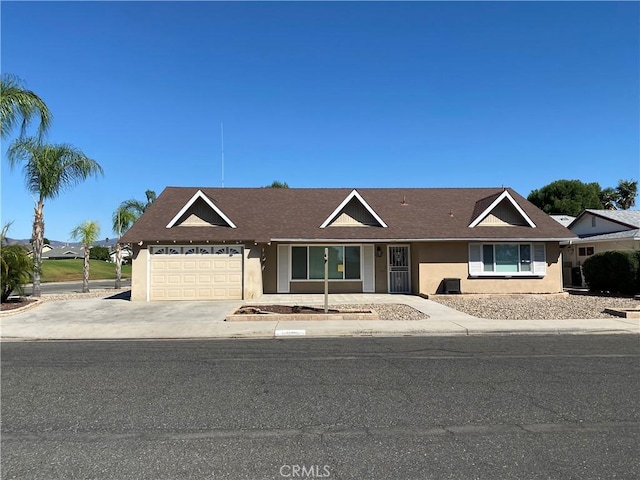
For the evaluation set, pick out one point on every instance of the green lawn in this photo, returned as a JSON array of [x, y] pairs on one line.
[[69, 270]]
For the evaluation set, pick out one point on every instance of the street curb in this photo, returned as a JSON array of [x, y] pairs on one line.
[[372, 334]]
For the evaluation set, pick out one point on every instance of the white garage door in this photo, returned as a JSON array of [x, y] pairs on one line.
[[195, 272]]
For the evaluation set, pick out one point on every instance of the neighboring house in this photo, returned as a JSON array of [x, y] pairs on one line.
[[45, 248], [63, 253], [127, 253], [599, 231], [238, 243], [563, 220]]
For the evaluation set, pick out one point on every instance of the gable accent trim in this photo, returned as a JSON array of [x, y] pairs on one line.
[[500, 198], [193, 199], [338, 210]]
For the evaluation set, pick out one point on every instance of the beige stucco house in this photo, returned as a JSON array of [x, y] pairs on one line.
[[239, 243], [599, 231]]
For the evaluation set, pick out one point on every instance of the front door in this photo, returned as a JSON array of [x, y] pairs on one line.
[[399, 275]]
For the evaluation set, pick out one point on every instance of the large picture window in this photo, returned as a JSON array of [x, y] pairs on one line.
[[307, 262], [507, 259]]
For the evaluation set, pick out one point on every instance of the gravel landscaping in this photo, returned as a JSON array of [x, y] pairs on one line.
[[537, 307], [389, 311]]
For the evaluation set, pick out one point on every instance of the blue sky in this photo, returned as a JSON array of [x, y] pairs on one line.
[[325, 94]]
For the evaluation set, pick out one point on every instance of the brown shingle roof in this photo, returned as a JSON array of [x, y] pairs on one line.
[[266, 214], [482, 204]]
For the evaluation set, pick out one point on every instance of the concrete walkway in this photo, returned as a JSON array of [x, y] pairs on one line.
[[119, 318]]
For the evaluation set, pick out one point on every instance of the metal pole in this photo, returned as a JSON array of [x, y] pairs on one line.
[[222, 150], [326, 280]]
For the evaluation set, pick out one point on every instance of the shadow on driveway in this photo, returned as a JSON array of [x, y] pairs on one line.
[[120, 296]]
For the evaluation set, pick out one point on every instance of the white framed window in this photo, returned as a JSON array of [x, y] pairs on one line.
[[344, 262], [503, 259]]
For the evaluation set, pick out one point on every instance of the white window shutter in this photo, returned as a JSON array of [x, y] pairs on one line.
[[475, 259], [539, 259], [368, 269], [283, 268]]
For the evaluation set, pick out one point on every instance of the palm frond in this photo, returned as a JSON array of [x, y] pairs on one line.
[[151, 197], [122, 219], [86, 233], [51, 169], [627, 190], [133, 205], [19, 105]]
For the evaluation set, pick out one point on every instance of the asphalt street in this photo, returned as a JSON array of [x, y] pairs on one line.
[[75, 287], [530, 407]]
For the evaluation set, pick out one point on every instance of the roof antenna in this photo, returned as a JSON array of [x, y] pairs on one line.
[[222, 150]]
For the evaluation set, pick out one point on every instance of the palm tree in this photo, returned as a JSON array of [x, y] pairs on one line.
[[125, 215], [19, 105], [136, 206], [608, 198], [48, 170], [16, 266], [122, 218], [86, 233], [627, 191]]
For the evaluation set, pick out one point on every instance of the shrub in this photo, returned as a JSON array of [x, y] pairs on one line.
[[17, 268], [615, 271], [99, 253]]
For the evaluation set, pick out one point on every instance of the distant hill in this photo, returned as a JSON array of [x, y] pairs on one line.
[[12, 241]]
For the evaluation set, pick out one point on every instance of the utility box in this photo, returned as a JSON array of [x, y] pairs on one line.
[[451, 285]]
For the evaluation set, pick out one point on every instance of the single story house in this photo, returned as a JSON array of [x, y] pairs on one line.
[[126, 253], [45, 247], [599, 231], [239, 243], [62, 253]]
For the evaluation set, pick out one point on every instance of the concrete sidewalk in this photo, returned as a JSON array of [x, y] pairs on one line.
[[119, 318]]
